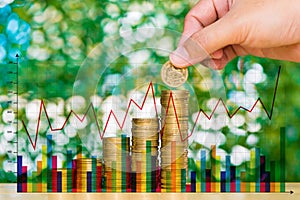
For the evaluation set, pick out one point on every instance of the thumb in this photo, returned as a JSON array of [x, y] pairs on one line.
[[205, 42]]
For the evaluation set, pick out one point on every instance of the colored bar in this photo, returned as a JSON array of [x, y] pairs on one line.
[[243, 181], [232, 179], [218, 174], [19, 174], [94, 174], [74, 176], [69, 170], [64, 180], [223, 181], [138, 176], [133, 181], [99, 179], [148, 166], [59, 182], [203, 170], [168, 185], [183, 180], [114, 177], [44, 167], [272, 176], [49, 163], [262, 174], [251, 172], [34, 181], [39, 176], [257, 170], [193, 181], [267, 182], [282, 159], [198, 176], [24, 178], [88, 181], [208, 180], [124, 163], [128, 172], [173, 166], [153, 173], [54, 173], [213, 168], [227, 173]]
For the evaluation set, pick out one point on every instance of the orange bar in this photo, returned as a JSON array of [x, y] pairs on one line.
[[138, 176], [243, 181], [109, 181], [272, 187], [173, 166], [39, 174]]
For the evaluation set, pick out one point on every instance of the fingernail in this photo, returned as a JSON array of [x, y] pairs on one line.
[[180, 57]]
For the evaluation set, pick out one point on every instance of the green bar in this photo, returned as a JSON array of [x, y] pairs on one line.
[[104, 184], [273, 171], [183, 180], [282, 159], [94, 173], [218, 169], [114, 177], [148, 166], [34, 181], [168, 185]]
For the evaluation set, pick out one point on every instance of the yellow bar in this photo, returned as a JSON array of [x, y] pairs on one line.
[[218, 174], [252, 186], [198, 184], [44, 166], [143, 174], [29, 187], [64, 180], [277, 186]]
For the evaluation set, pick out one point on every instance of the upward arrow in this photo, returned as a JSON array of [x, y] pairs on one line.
[[17, 55]]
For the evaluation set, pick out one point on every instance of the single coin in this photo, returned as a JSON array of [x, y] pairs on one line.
[[172, 76]]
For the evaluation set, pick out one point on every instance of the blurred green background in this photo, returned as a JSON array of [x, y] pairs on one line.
[[117, 47]]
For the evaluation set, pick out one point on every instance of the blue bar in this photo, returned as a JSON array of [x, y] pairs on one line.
[[133, 181], [19, 173], [183, 180], [227, 173], [238, 184], [153, 173], [59, 181], [193, 181], [223, 181], [267, 181], [89, 182], [257, 170], [203, 170]]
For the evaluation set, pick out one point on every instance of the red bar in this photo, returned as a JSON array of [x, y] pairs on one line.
[[208, 180], [54, 173], [188, 187], [232, 186], [158, 181], [98, 178], [262, 186], [74, 176], [24, 178]]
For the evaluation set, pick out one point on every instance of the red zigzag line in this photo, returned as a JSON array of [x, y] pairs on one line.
[[150, 88]]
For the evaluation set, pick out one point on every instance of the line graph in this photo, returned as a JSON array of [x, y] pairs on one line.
[[150, 89]]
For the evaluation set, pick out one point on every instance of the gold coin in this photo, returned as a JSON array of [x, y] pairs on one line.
[[172, 76]]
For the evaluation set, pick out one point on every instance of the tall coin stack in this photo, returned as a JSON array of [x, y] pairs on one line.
[[115, 162], [144, 152], [174, 144]]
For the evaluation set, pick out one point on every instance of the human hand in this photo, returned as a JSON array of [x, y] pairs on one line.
[[224, 29]]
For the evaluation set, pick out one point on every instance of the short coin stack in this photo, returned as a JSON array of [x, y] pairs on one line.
[[145, 132], [174, 132], [115, 162]]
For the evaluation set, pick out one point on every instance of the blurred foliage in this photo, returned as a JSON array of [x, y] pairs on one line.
[[61, 41]]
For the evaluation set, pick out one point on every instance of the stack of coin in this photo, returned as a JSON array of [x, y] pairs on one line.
[[83, 165], [174, 132], [144, 151], [115, 161]]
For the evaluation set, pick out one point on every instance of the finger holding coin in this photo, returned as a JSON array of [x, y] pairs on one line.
[[173, 76]]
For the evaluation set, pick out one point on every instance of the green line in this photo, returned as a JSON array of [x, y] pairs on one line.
[[148, 166]]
